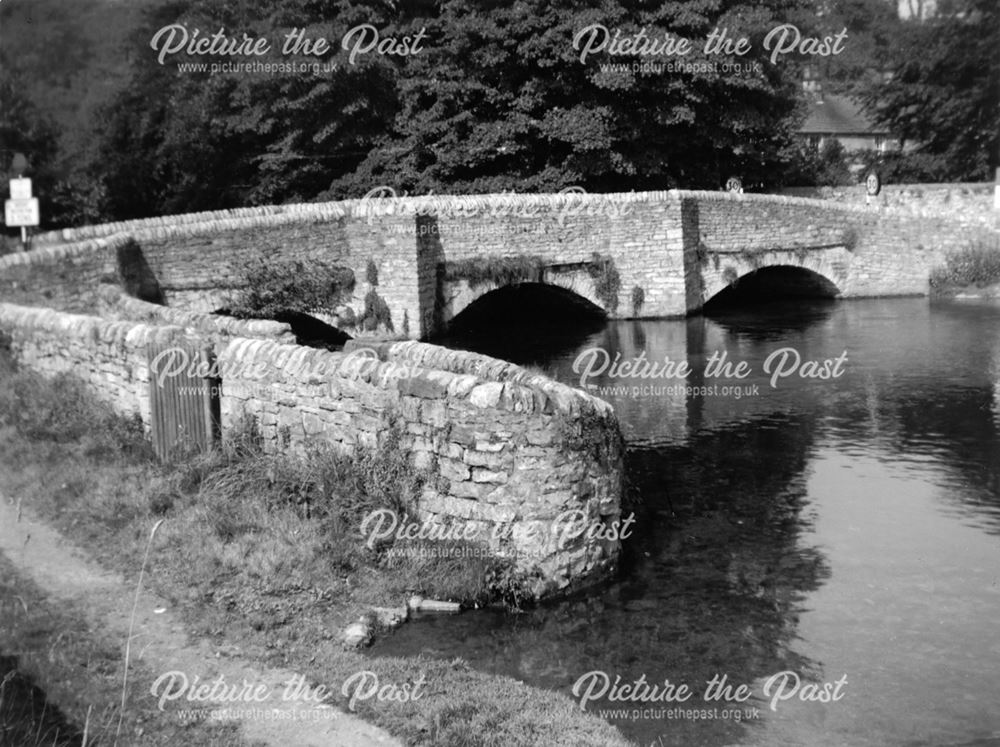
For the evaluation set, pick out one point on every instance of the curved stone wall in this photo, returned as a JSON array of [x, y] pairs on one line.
[[525, 463], [503, 447]]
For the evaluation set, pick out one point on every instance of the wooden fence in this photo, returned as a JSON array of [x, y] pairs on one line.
[[184, 400]]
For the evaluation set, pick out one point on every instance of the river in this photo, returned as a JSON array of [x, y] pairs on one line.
[[841, 530]]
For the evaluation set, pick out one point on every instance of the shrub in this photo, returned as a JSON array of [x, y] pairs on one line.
[[607, 281], [977, 264], [638, 299], [376, 313], [499, 271], [273, 288]]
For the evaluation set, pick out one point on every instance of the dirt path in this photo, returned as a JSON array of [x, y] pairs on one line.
[[161, 645]]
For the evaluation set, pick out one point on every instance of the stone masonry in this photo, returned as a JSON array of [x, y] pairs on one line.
[[674, 247]]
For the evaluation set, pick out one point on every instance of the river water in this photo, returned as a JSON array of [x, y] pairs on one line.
[[844, 531]]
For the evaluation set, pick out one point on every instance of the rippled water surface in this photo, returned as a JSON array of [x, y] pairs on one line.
[[830, 528]]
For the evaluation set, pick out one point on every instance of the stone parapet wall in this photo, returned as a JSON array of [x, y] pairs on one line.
[[501, 445], [655, 244], [970, 203], [199, 260], [67, 277], [208, 326], [735, 223], [109, 356]]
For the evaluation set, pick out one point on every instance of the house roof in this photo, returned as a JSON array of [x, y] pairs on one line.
[[838, 115]]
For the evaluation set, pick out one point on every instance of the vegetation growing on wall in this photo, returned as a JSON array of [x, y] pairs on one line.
[[271, 288], [753, 257], [586, 432], [376, 314], [607, 281], [496, 270], [638, 299], [850, 238]]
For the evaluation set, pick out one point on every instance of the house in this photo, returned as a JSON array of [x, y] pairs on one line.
[[836, 117]]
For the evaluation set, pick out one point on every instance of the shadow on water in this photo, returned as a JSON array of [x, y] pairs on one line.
[[711, 583], [26, 719]]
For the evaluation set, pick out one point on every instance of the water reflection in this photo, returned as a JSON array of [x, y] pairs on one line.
[[839, 526]]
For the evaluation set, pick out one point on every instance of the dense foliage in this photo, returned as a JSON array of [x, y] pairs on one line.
[[497, 98], [269, 288], [941, 92]]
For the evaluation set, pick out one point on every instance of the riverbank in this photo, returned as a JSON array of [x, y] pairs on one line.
[[252, 560]]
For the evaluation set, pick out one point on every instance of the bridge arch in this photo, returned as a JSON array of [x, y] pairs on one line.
[[776, 274], [564, 296], [773, 282]]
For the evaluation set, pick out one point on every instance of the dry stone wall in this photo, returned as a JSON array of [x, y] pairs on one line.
[[501, 447], [69, 277], [212, 327], [199, 260], [111, 357], [969, 204], [529, 465]]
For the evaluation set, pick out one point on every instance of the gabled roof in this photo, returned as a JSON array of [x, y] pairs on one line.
[[838, 115]]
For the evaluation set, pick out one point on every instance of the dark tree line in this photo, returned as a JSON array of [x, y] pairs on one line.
[[498, 99]]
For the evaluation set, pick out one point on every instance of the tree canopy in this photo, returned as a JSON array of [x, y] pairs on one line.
[[941, 89], [491, 97], [496, 99]]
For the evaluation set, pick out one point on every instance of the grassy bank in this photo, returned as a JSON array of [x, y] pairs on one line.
[[81, 668], [262, 554]]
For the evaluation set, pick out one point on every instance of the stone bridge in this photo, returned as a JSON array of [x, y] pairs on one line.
[[634, 255]]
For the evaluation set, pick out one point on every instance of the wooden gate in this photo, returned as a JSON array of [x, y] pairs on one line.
[[184, 398]]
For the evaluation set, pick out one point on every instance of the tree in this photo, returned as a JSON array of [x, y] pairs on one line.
[[941, 92], [496, 98], [190, 140], [502, 100]]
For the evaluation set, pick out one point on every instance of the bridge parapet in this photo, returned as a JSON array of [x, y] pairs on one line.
[[643, 255]]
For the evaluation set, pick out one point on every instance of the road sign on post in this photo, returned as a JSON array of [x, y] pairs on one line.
[[21, 209], [20, 189], [22, 212]]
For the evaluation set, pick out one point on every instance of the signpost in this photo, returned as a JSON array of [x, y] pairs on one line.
[[873, 185], [21, 209]]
